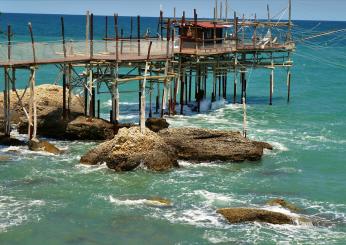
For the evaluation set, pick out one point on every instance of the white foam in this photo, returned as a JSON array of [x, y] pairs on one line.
[[85, 168], [127, 202], [14, 212], [214, 198]]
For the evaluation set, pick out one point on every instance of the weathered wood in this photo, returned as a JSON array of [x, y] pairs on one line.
[[143, 104], [116, 30], [139, 34], [32, 124], [91, 36], [182, 87], [288, 86], [32, 42]]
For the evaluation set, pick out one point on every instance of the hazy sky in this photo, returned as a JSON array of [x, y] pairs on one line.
[[302, 9]]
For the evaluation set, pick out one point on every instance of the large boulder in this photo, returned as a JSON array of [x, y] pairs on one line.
[[196, 144], [160, 151], [156, 124], [84, 128], [130, 149], [239, 215], [48, 98]]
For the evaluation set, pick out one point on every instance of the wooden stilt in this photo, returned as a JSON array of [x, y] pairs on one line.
[[190, 84], [7, 121], [117, 97], [142, 114], [157, 107], [271, 89], [64, 111], [199, 91], [32, 124], [98, 108], [69, 99], [288, 86], [182, 87], [213, 96]]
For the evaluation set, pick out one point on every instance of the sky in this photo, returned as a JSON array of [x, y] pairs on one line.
[[301, 9]]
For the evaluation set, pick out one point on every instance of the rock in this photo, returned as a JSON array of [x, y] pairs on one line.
[[9, 141], [130, 149], [5, 158], [83, 128], [199, 145], [36, 145], [239, 215], [284, 204], [158, 202], [160, 151], [156, 124], [49, 110]]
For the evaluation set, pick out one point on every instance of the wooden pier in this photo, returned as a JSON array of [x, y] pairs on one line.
[[185, 49]]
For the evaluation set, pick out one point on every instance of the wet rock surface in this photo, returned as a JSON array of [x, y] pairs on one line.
[[84, 128], [200, 145], [37, 145], [160, 151], [156, 124], [240, 215], [283, 203], [130, 149]]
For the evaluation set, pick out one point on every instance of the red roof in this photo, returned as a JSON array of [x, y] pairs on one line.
[[210, 25]]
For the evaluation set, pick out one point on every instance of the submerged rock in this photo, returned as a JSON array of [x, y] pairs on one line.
[[4, 158], [130, 148], [37, 145], [284, 204], [239, 215], [156, 124], [158, 202], [199, 145]]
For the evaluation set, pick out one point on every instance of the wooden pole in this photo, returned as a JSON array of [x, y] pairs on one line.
[[182, 87], [32, 124], [69, 99], [98, 108], [91, 36], [32, 42], [143, 104], [139, 34], [64, 112], [116, 30], [131, 27], [271, 89], [106, 34], [288, 86], [190, 83], [9, 44], [6, 104], [87, 29], [161, 24]]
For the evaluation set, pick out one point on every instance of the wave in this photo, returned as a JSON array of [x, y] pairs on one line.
[[14, 212]]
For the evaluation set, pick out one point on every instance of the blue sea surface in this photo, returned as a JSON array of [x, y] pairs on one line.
[[46, 199]]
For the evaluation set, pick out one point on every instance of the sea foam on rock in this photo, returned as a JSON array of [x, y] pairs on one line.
[[160, 151]]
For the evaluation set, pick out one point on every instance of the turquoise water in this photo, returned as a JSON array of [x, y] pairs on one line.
[[48, 199]]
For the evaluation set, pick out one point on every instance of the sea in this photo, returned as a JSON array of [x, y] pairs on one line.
[[53, 199]]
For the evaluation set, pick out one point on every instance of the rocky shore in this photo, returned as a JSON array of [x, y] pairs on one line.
[[160, 151]]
